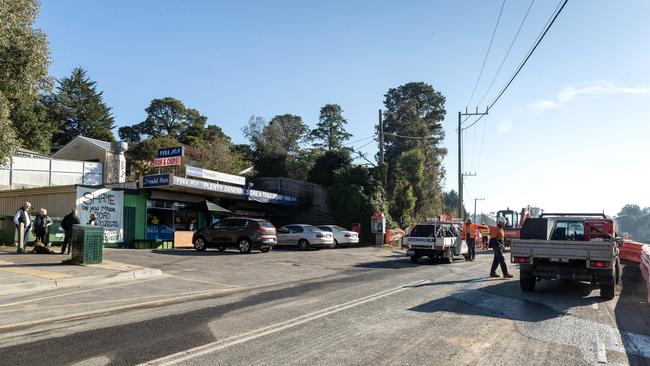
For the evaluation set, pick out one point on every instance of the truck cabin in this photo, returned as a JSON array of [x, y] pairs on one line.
[[582, 229], [512, 218]]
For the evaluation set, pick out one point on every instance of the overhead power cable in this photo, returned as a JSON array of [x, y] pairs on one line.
[[508, 52], [494, 31], [521, 66]]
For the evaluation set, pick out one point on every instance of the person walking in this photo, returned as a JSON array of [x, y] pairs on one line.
[[42, 223], [470, 238], [23, 224], [66, 224], [93, 219], [497, 246]]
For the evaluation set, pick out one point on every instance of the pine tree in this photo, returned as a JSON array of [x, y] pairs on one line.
[[81, 110], [330, 130]]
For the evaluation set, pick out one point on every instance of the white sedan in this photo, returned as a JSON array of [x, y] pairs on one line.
[[341, 235], [304, 236]]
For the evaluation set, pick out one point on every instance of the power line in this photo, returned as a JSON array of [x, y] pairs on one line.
[[363, 139], [521, 66], [494, 31], [508, 52]]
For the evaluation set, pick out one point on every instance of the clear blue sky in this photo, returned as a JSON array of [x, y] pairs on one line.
[[571, 133]]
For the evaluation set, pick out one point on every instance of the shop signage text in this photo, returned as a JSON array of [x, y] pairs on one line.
[[169, 152], [212, 175], [107, 205], [155, 180], [255, 195], [173, 161]]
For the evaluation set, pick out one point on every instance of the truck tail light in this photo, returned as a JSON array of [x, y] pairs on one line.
[[520, 260], [600, 264]]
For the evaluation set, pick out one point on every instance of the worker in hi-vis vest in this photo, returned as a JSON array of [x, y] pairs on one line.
[[470, 239]]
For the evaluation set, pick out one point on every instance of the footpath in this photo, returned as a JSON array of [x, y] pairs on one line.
[[22, 273]]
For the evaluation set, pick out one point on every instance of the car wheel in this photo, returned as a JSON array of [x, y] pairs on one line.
[[265, 249], [200, 245], [335, 244], [244, 246], [221, 249], [303, 244]]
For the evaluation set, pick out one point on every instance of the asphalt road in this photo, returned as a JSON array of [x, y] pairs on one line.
[[348, 306]]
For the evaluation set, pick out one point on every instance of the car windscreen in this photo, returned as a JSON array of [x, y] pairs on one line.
[[423, 231], [265, 224]]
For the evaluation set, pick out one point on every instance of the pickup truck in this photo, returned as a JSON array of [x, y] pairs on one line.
[[578, 247], [437, 240]]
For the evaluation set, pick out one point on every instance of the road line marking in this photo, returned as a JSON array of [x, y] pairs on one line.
[[601, 351], [273, 328], [112, 309], [75, 292]]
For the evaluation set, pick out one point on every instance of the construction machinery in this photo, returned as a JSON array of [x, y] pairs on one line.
[[514, 222]]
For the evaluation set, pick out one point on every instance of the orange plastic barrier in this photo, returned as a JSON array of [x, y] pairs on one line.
[[631, 251], [645, 267]]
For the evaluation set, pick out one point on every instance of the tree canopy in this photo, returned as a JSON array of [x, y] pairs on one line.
[[330, 131], [24, 59], [79, 109], [635, 221]]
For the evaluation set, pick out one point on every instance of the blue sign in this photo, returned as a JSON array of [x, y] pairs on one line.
[[160, 232], [155, 180], [169, 152], [250, 194]]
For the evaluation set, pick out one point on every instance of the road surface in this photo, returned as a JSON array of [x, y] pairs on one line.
[[346, 306]]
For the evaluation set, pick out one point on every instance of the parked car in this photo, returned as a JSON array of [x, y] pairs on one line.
[[341, 235], [304, 236], [242, 233]]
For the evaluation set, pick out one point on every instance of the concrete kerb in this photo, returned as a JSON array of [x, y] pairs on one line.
[[23, 287]]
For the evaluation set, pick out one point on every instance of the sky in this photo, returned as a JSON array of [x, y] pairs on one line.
[[570, 134]]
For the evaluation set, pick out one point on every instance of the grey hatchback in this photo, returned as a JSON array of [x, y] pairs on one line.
[[242, 233]]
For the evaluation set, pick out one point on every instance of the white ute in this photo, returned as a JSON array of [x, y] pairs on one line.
[[437, 240]]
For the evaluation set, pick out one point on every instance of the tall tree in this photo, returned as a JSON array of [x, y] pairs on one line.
[[330, 131], [635, 221], [24, 58], [82, 110], [416, 110]]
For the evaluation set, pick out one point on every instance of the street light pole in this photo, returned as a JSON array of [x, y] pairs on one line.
[[475, 200]]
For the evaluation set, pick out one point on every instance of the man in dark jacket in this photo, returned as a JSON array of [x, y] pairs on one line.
[[66, 224]]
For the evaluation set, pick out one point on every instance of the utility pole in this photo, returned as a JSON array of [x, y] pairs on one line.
[[460, 156], [382, 168], [477, 199]]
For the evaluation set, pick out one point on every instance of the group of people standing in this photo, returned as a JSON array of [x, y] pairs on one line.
[[41, 224]]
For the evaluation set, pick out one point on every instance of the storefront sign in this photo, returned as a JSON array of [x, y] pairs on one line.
[[173, 161], [107, 205], [169, 152], [160, 232], [259, 196], [155, 180], [212, 175]]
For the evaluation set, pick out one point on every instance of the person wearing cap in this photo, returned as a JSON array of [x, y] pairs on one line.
[[470, 239], [23, 224], [497, 246]]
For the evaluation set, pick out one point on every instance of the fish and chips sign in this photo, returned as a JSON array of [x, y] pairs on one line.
[[107, 205], [169, 156]]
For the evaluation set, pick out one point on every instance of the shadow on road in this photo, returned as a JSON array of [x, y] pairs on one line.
[[632, 310]]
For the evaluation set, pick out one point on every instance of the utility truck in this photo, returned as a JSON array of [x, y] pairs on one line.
[[568, 246], [438, 240]]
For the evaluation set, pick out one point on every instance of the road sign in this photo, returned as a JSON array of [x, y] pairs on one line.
[[212, 175], [155, 180], [169, 152], [173, 161]]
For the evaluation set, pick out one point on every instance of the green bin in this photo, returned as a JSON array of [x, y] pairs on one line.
[[87, 244]]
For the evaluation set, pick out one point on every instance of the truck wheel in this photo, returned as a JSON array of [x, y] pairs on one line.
[[607, 287], [415, 258], [527, 282]]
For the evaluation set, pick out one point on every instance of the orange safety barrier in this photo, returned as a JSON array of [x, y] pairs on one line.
[[631, 251], [645, 266]]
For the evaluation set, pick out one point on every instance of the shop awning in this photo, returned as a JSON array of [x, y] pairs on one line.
[[207, 206]]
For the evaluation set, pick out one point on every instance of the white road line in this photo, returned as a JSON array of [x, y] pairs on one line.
[[274, 328], [601, 351]]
